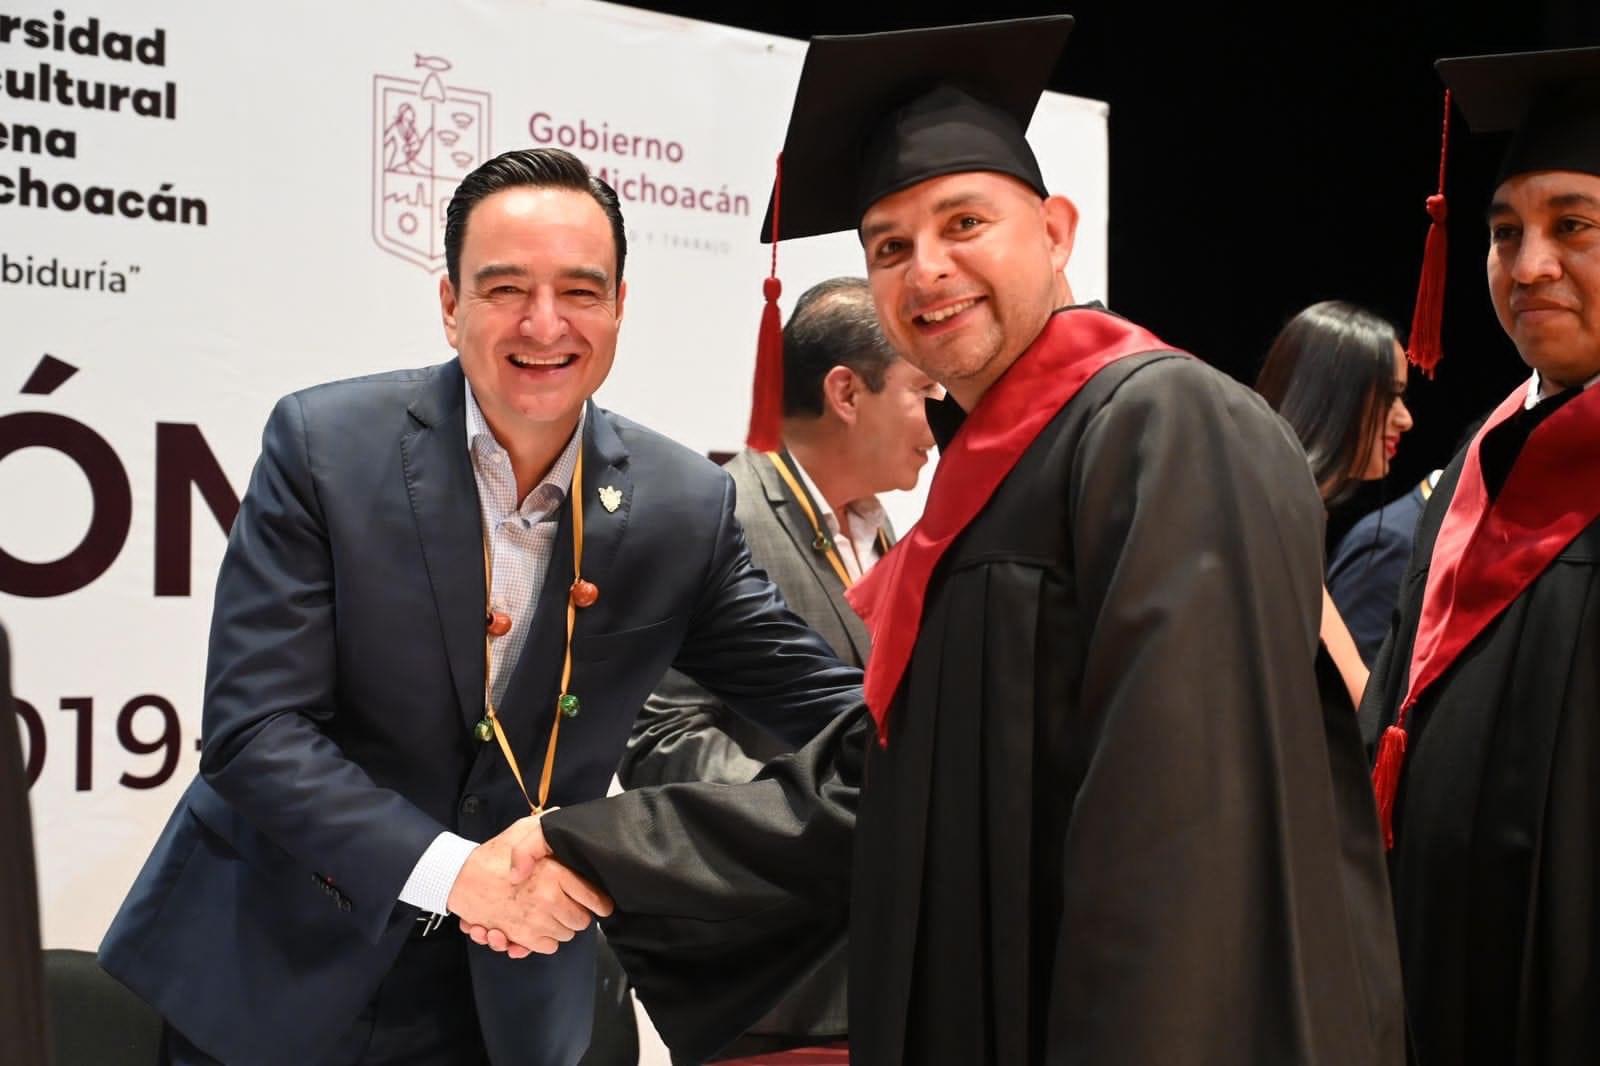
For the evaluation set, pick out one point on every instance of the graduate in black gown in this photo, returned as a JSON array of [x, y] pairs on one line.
[[1102, 815], [1487, 695]]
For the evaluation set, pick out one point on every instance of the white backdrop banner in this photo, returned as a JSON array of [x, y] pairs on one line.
[[205, 206]]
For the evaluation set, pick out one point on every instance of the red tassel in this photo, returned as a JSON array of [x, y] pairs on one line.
[[766, 399], [1427, 321], [766, 393], [1386, 778]]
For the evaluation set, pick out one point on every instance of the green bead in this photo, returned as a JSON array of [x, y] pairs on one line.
[[484, 730], [568, 703]]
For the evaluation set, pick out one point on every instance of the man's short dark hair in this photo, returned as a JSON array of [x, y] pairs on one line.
[[833, 324], [548, 168]]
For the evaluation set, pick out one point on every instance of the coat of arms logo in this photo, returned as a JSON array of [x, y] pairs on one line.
[[426, 137]]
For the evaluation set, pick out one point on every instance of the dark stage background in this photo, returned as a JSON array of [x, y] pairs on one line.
[[1268, 155]]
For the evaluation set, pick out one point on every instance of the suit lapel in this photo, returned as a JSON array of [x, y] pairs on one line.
[[530, 694], [791, 516], [605, 477], [444, 500]]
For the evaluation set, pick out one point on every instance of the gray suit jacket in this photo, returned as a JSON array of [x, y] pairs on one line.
[[685, 733]]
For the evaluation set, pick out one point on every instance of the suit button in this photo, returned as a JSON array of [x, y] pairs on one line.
[[471, 805], [344, 905]]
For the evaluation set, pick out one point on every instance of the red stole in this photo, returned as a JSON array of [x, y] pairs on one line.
[[1488, 553], [1076, 344]]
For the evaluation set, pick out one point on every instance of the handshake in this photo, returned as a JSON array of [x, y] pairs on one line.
[[513, 896]]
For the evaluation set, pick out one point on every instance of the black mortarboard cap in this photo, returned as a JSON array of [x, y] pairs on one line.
[[1549, 100], [878, 112]]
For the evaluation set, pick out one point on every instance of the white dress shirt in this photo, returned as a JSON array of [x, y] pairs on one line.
[[1534, 395]]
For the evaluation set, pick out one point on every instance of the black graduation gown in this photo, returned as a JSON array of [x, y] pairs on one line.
[[1496, 863], [22, 991], [1112, 824]]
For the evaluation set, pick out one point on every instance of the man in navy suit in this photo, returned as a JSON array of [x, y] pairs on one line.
[[446, 594]]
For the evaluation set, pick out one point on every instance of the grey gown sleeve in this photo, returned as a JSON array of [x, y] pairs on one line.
[[725, 894], [684, 733]]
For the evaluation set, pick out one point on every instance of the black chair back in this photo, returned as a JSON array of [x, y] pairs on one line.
[[94, 1020], [614, 1040]]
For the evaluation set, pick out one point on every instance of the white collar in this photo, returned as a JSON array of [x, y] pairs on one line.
[[867, 509], [1534, 395], [481, 440]]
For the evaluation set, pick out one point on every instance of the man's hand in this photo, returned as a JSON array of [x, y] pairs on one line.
[[513, 897], [528, 849]]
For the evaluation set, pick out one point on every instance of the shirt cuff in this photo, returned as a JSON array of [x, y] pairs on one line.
[[431, 880]]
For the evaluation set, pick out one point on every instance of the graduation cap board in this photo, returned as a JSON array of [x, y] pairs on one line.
[[1550, 101], [876, 113]]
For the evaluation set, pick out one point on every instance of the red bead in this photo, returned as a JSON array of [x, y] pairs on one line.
[[584, 593], [498, 623]]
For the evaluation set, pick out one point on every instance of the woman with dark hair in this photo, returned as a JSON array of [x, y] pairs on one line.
[[1337, 375]]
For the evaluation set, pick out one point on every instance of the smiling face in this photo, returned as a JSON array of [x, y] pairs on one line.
[[965, 271], [536, 316], [889, 428], [1390, 420], [1544, 271]]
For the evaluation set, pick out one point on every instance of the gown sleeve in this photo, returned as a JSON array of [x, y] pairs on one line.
[[726, 895], [1210, 912]]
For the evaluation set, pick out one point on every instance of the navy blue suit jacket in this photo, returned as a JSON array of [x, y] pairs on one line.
[[345, 675], [1365, 568]]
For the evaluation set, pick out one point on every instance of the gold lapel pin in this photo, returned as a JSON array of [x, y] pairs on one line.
[[610, 498]]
